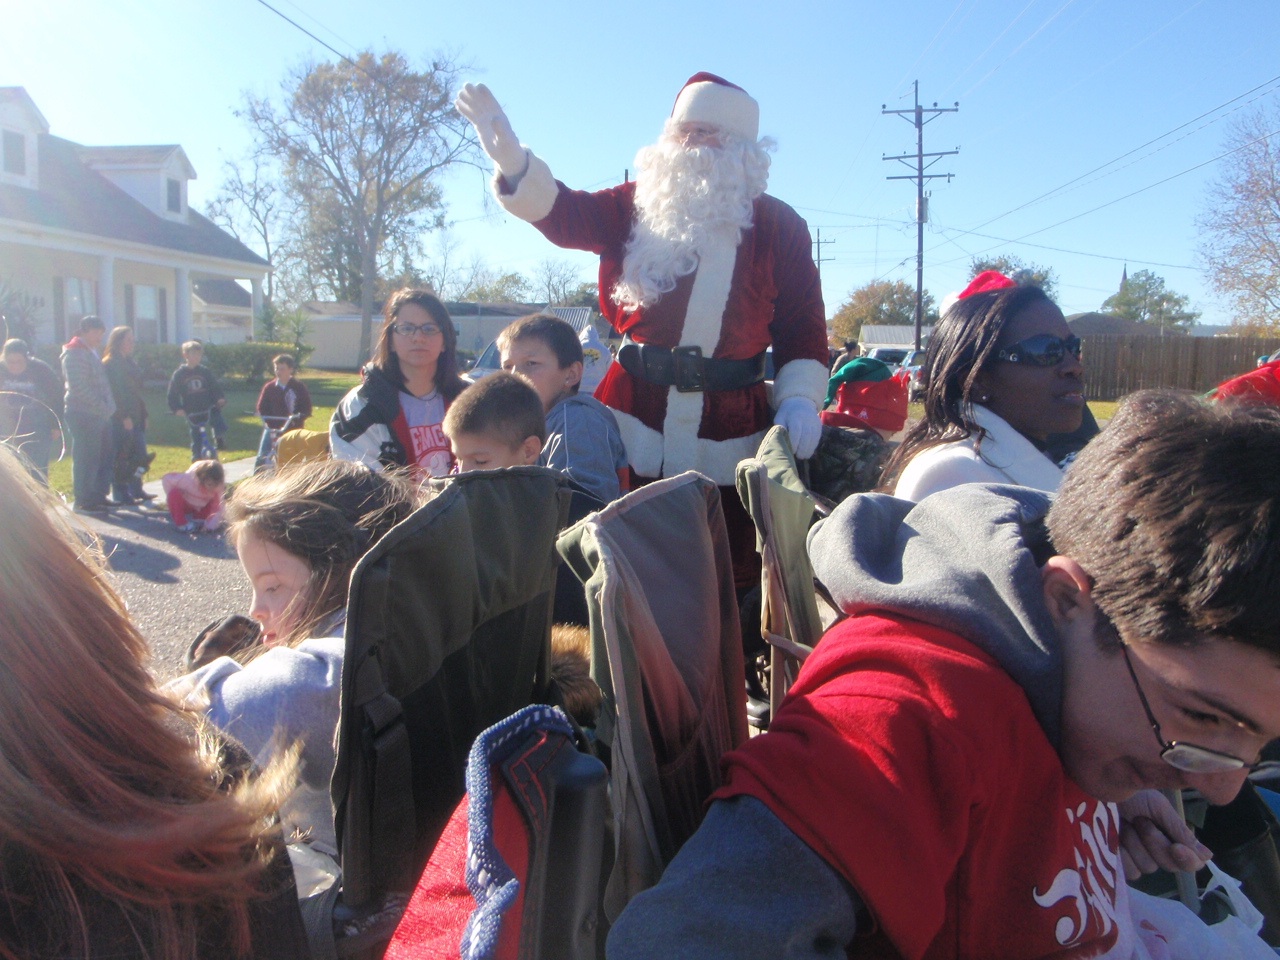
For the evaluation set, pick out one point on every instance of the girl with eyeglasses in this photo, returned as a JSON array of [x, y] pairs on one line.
[[393, 418], [1003, 375]]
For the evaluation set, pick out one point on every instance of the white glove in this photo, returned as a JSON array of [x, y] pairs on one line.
[[800, 416], [499, 141]]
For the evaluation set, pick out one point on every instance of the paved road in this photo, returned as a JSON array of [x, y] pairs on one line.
[[175, 583]]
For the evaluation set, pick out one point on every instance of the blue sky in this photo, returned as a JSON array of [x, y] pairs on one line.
[[1049, 90]]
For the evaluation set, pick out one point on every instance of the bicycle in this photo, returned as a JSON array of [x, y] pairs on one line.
[[271, 436], [204, 447]]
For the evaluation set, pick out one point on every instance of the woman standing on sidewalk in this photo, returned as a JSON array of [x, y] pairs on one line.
[[129, 422]]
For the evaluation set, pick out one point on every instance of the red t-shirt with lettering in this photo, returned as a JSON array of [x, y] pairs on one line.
[[913, 765]]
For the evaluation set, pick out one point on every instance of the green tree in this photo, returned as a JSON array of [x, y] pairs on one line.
[[491, 287], [1019, 270], [362, 145], [585, 294], [879, 302], [1145, 299], [1240, 228]]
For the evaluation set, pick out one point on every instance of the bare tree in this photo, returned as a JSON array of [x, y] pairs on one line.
[[1241, 223], [555, 281], [252, 207], [362, 144]]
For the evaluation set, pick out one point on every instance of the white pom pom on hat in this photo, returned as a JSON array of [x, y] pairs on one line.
[[706, 98]]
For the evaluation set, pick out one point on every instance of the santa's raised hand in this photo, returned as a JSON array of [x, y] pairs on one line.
[[481, 107]]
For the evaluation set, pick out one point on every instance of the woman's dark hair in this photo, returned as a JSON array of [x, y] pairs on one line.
[[448, 381], [327, 514], [960, 348]]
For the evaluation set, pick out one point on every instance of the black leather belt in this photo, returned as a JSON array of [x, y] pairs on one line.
[[686, 369]]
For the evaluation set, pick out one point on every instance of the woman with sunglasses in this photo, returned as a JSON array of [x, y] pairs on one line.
[[1004, 374], [393, 418]]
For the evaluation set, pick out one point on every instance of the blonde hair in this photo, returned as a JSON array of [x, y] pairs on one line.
[[109, 790]]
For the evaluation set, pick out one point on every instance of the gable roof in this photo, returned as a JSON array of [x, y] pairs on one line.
[[135, 156], [220, 292], [19, 96], [76, 198], [1108, 325]]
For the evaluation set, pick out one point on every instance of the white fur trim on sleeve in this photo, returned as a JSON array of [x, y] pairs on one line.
[[801, 378], [534, 195]]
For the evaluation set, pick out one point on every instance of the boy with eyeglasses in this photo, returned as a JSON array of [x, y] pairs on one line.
[[961, 768]]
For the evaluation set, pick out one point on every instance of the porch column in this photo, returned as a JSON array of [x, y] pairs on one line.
[[182, 304], [107, 290], [255, 300]]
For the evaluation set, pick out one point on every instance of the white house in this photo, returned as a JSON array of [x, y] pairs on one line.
[[107, 230]]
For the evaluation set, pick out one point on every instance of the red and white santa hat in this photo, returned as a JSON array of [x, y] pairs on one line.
[[706, 98]]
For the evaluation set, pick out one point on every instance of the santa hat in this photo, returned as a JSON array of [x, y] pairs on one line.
[[706, 98], [867, 396]]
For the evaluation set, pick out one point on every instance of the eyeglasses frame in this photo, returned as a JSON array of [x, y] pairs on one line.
[[410, 330], [1170, 749], [1011, 354]]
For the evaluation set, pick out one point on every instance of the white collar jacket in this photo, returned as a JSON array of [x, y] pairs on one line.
[[1004, 456]]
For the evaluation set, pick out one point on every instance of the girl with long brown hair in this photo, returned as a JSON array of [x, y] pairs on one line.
[[299, 533], [129, 827], [393, 418]]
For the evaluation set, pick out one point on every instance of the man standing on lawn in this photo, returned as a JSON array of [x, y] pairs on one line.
[[89, 406]]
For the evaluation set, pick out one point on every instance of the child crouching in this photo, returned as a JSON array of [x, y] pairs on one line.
[[196, 495]]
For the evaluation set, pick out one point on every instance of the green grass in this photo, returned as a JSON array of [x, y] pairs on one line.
[[1103, 410], [169, 437]]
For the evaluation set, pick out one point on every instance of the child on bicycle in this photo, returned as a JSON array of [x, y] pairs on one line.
[[194, 391], [284, 404], [195, 496]]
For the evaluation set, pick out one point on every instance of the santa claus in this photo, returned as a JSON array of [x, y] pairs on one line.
[[701, 271]]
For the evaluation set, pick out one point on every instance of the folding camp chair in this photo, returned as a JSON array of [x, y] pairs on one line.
[[667, 653], [516, 875], [448, 632], [782, 510]]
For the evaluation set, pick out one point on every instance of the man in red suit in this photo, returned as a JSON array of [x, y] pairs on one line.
[[701, 271]]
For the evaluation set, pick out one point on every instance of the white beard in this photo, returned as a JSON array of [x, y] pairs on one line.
[[687, 199]]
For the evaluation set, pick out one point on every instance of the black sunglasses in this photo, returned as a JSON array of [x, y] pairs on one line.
[[1188, 757], [1043, 350]]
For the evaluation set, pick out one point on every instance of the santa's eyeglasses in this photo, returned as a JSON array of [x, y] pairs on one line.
[[1188, 757]]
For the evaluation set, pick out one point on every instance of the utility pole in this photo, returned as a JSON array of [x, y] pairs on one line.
[[918, 120], [819, 259]]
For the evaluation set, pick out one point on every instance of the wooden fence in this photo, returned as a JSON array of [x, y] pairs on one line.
[[1115, 366]]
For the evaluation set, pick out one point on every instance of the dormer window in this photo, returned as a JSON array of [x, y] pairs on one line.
[[175, 195], [15, 153]]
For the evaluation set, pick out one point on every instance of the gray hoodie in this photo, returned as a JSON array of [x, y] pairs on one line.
[[966, 560]]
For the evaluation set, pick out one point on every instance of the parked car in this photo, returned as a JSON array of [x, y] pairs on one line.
[[489, 361], [913, 364], [890, 355]]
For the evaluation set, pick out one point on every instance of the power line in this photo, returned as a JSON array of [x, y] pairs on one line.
[[1081, 253], [1127, 153], [336, 52], [1151, 186], [918, 120]]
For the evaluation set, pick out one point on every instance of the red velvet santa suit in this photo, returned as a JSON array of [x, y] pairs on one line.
[[738, 302]]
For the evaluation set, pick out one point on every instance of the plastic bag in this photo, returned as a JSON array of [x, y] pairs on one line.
[[1167, 930]]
